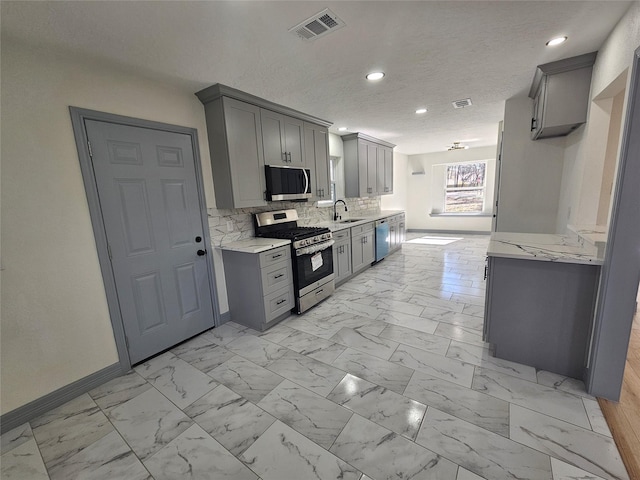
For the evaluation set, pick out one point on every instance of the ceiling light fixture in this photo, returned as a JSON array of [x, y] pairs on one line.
[[556, 41], [342, 129], [457, 146], [375, 76], [421, 110]]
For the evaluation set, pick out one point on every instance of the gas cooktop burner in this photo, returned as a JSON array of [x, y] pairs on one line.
[[284, 224], [298, 233]]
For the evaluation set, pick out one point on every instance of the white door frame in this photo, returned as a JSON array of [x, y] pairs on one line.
[[78, 117]]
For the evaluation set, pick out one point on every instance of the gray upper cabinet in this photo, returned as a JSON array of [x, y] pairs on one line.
[[368, 166], [385, 170], [316, 142], [237, 161], [245, 133], [560, 91], [282, 139]]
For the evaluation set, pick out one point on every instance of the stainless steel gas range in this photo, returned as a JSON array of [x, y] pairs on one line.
[[312, 255]]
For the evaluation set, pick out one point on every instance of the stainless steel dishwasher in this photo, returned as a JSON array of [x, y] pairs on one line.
[[382, 239]]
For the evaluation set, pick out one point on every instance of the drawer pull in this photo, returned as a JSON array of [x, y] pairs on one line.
[[319, 291], [279, 302], [278, 276], [276, 256]]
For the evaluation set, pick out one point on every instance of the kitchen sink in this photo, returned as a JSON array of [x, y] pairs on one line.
[[351, 220]]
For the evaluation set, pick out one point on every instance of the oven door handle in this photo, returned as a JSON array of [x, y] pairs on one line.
[[318, 247]]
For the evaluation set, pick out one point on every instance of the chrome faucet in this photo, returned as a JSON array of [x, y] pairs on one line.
[[335, 215]]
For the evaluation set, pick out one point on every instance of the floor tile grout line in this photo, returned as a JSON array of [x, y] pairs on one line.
[[552, 455]]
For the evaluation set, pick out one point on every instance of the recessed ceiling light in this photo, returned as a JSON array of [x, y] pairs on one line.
[[421, 110], [342, 129], [375, 75], [556, 41]]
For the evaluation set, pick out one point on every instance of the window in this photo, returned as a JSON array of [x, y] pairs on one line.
[[464, 187]]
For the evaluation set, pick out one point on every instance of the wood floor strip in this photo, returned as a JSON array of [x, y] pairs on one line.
[[623, 417]]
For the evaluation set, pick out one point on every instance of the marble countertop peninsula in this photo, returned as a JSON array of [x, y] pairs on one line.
[[254, 244], [541, 247]]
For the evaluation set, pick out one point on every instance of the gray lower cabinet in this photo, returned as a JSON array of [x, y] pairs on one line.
[[259, 286], [540, 313], [363, 247], [342, 256], [402, 230], [316, 142], [396, 232]]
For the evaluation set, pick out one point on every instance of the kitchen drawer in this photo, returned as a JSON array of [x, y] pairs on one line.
[[276, 277], [342, 235], [367, 227], [276, 255], [278, 302]]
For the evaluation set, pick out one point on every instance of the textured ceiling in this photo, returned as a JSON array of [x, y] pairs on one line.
[[432, 53]]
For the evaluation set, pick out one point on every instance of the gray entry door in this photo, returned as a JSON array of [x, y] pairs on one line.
[[151, 212]]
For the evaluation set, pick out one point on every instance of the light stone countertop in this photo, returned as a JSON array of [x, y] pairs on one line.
[[596, 235], [254, 244], [541, 247], [362, 219]]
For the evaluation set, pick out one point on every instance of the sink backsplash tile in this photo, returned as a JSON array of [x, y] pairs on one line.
[[309, 215]]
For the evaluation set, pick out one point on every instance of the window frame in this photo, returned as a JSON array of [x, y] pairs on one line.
[[447, 189]]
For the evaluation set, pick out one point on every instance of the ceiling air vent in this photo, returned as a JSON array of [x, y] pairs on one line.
[[319, 25], [462, 103]]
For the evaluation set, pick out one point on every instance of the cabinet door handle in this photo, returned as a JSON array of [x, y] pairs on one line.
[[485, 272], [279, 302], [289, 155], [369, 190], [534, 124], [276, 256], [279, 276]]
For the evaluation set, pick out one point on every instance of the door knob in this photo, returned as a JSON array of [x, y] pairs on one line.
[[201, 252]]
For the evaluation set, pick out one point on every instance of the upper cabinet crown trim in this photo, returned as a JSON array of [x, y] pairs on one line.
[[364, 136], [218, 90], [564, 65]]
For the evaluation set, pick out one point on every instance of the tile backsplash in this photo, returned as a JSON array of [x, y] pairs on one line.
[[309, 215]]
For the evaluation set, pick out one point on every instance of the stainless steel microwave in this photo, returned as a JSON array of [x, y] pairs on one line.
[[287, 183]]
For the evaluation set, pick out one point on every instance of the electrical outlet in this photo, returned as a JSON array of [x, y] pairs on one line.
[[229, 226]]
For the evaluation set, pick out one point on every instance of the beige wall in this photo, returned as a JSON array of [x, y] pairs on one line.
[[423, 189], [584, 160], [55, 323]]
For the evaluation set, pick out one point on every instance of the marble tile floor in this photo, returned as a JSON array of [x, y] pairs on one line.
[[387, 379]]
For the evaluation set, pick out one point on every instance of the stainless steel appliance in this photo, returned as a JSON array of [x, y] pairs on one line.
[[312, 255], [287, 183], [382, 239]]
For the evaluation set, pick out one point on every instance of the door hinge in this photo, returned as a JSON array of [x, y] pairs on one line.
[[109, 252], [90, 151]]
